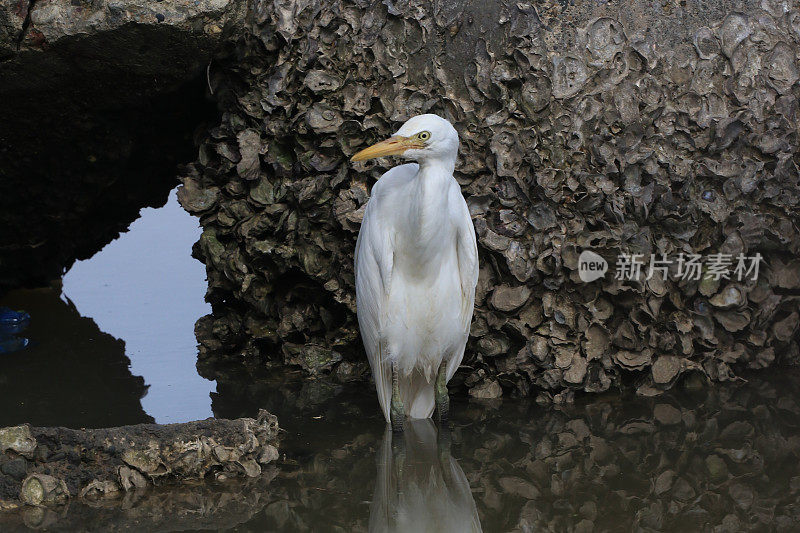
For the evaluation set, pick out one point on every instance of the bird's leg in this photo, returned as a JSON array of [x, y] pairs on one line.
[[397, 412], [442, 397]]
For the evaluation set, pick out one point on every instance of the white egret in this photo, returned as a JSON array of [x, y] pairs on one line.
[[416, 267]]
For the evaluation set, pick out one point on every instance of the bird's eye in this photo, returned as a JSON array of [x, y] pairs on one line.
[[424, 135]]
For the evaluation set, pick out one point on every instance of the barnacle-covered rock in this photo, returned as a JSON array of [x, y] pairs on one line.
[[633, 360], [17, 439], [612, 129], [98, 463], [506, 298], [41, 489]]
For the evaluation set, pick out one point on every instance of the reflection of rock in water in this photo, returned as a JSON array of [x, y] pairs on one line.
[[72, 374], [726, 458], [420, 487], [205, 506], [721, 459], [688, 461]]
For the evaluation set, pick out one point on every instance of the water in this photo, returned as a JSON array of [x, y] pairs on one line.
[[146, 289], [690, 460], [115, 345], [714, 459]]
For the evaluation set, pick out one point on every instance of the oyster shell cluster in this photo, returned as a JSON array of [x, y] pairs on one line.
[[592, 127], [49, 466]]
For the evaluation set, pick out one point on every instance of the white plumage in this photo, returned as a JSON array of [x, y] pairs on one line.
[[416, 265]]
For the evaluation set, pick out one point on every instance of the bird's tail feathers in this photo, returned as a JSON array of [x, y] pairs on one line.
[[417, 393]]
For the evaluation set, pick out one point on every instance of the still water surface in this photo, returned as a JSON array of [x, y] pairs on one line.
[[115, 346], [132, 307]]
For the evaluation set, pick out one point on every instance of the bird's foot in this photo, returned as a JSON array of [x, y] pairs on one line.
[[397, 415], [398, 418]]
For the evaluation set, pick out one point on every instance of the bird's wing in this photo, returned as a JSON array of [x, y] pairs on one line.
[[374, 260], [467, 254], [467, 257]]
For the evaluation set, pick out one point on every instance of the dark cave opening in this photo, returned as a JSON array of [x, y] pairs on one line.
[[72, 180]]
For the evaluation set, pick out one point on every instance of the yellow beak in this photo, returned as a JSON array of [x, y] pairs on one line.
[[394, 145]]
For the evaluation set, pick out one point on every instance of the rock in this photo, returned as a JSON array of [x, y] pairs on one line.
[[97, 463], [99, 489], [269, 454], [664, 482], [589, 510], [682, 490], [717, 468], [486, 390], [507, 298], [785, 328], [576, 371], [666, 368], [742, 495], [16, 468], [18, 439], [58, 19], [39, 489], [519, 487], [666, 414], [130, 478], [731, 296], [632, 360]]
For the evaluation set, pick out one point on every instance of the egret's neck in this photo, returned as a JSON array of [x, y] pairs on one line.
[[438, 165], [429, 204]]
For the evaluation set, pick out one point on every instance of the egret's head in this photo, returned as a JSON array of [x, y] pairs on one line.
[[421, 138]]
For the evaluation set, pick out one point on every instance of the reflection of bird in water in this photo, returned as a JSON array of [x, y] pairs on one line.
[[416, 266], [420, 487]]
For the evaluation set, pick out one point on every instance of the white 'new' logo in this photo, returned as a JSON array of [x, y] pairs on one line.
[[591, 266]]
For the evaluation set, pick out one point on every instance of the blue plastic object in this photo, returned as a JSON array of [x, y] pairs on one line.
[[12, 344], [12, 323]]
